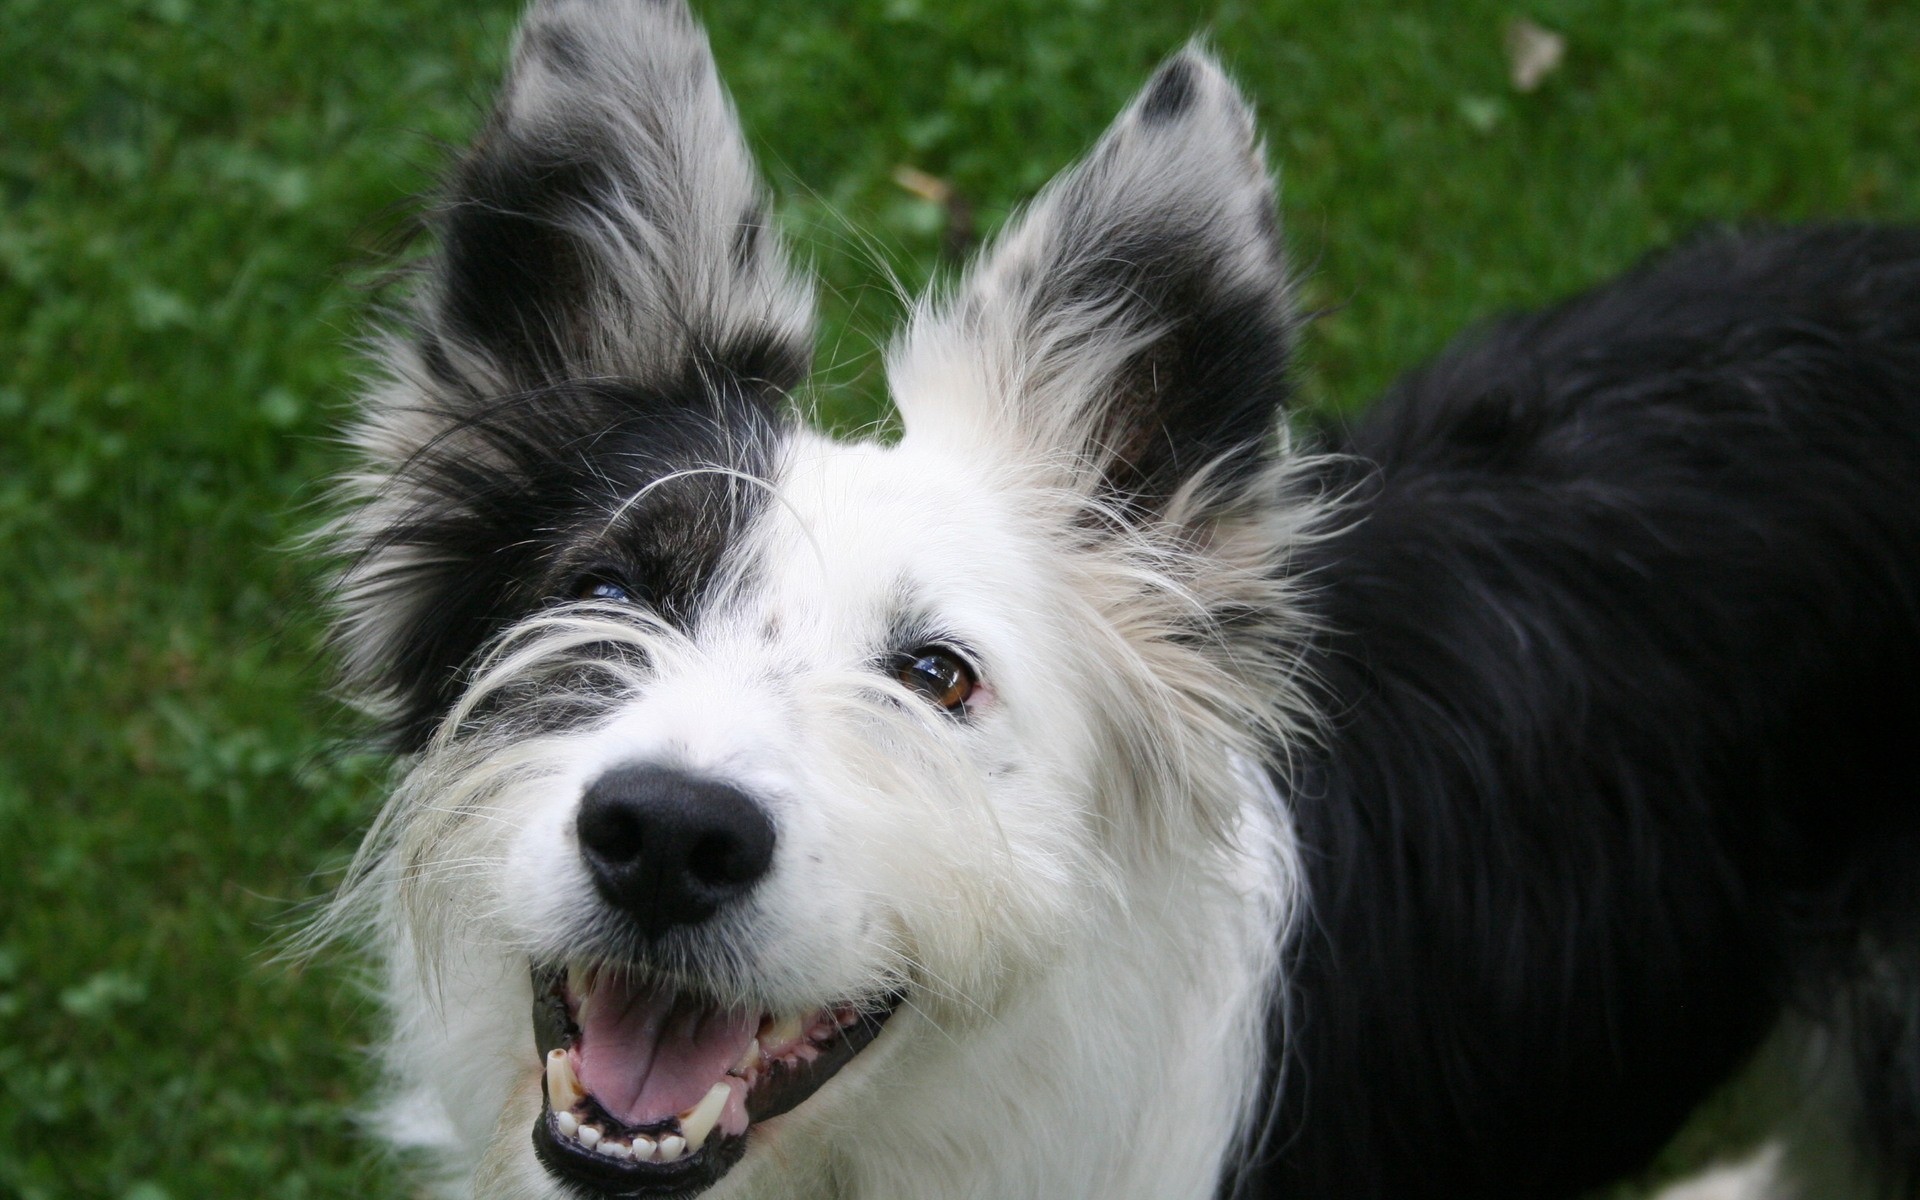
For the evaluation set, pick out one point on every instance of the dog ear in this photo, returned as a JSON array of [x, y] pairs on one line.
[[1134, 322], [604, 274], [609, 222]]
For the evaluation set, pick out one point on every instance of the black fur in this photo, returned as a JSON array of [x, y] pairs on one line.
[[1170, 93], [1623, 697], [1195, 277], [1192, 398], [1205, 391], [555, 386], [516, 279], [514, 508], [1202, 393]]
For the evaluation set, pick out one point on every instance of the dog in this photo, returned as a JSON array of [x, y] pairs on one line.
[[1110, 787]]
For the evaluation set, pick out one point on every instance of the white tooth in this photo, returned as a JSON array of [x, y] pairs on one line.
[[784, 1030], [613, 1149], [589, 1136], [696, 1125], [749, 1058], [563, 1090], [566, 1123], [580, 981], [643, 1148], [671, 1148]]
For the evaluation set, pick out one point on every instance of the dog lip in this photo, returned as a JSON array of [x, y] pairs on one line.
[[787, 1087], [609, 1177], [782, 1087]]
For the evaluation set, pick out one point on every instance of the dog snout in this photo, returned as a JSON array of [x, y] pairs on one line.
[[668, 848]]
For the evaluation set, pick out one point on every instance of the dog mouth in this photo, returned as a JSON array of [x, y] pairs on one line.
[[650, 1090]]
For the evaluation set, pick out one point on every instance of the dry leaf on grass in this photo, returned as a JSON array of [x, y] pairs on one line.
[[1533, 53]]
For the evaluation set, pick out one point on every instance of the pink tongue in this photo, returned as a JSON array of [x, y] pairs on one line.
[[646, 1054]]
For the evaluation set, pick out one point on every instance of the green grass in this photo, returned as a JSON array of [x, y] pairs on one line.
[[196, 192]]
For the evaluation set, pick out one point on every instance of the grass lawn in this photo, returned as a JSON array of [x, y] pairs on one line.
[[195, 196]]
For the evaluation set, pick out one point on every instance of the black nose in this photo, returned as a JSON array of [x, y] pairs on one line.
[[667, 848]]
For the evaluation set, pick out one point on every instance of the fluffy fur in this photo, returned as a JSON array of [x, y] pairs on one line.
[[1564, 699], [1621, 664]]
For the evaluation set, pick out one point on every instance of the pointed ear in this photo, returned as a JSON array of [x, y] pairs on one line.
[[609, 223], [605, 305], [1134, 321]]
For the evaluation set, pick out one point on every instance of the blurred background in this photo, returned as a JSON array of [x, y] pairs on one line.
[[197, 202]]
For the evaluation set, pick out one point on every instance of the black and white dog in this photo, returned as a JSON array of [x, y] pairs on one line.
[[1098, 791]]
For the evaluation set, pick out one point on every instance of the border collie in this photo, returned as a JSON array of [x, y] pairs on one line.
[[1099, 791]]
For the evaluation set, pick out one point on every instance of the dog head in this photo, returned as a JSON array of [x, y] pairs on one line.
[[731, 744]]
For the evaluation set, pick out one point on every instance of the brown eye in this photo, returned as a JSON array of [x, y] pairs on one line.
[[939, 674]]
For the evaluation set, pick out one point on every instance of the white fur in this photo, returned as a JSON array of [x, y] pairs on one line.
[[1756, 1177]]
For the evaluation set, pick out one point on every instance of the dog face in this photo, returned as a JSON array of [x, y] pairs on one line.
[[737, 750]]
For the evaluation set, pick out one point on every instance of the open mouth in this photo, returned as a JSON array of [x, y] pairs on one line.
[[650, 1090]]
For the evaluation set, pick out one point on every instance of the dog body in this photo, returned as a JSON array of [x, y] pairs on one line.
[[1622, 667], [1094, 793]]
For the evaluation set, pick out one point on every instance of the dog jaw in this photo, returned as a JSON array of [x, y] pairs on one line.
[[1037, 1083]]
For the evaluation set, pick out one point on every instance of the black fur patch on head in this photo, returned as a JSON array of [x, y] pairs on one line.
[[1170, 93], [517, 279], [587, 231], [516, 501], [1210, 386], [1208, 390], [1150, 289], [591, 322]]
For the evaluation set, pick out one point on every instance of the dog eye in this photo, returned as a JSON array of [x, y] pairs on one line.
[[604, 587], [939, 674]]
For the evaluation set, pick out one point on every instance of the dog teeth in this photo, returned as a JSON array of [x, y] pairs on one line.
[[563, 1090], [750, 1058], [697, 1126], [786, 1029], [580, 981], [698, 1122]]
